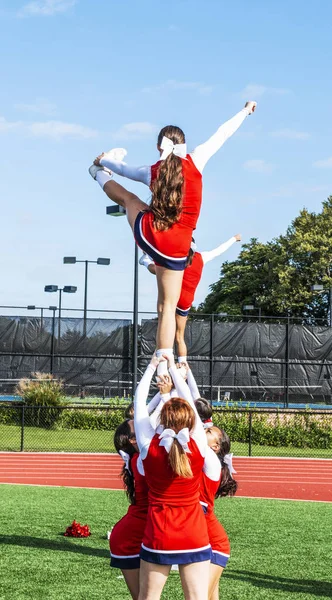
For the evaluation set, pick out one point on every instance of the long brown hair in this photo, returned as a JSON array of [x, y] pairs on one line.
[[122, 442], [167, 188], [177, 414], [228, 485]]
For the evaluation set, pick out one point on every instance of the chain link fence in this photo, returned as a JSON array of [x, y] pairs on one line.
[[91, 429]]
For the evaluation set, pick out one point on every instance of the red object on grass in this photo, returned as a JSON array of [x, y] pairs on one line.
[[77, 530]]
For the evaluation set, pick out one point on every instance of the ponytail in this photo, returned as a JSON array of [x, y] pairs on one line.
[[177, 414], [167, 187], [122, 437], [179, 461], [228, 485]]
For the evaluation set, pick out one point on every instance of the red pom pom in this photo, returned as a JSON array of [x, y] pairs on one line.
[[77, 530]]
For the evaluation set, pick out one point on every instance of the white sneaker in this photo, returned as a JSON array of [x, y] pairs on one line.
[[117, 154], [145, 260], [93, 170], [251, 105]]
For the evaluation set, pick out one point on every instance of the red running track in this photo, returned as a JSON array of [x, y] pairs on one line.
[[283, 478]]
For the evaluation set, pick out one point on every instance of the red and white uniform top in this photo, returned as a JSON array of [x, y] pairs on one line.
[[176, 243], [176, 522]]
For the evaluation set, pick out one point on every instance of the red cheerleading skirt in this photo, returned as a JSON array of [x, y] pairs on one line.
[[220, 546], [126, 540]]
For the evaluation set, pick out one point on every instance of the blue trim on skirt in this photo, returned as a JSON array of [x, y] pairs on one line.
[[219, 559], [179, 558], [125, 563], [182, 313], [167, 262]]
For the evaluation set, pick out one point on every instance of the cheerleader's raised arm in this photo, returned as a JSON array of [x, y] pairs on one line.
[[204, 152]]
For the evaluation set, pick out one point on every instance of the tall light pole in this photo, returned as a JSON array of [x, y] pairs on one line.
[[320, 289], [119, 211], [67, 289], [71, 260]]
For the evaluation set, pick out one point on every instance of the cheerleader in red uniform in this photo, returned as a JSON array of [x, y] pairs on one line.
[[164, 229], [176, 530], [191, 278], [217, 481], [213, 487], [126, 536]]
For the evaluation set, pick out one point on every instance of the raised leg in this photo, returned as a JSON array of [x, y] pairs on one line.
[[129, 201]]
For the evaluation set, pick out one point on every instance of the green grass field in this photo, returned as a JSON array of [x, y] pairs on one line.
[[281, 550], [85, 440]]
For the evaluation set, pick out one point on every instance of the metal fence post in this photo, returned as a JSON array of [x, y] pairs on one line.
[[52, 344], [22, 429], [287, 365], [211, 355], [250, 434]]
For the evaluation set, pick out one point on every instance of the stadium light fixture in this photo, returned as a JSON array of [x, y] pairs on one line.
[[68, 289], [71, 260]]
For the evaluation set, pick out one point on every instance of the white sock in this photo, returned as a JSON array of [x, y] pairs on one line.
[[162, 367], [182, 359], [103, 177]]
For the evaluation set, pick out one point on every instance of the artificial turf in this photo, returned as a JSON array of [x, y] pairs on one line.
[[281, 550], [38, 439]]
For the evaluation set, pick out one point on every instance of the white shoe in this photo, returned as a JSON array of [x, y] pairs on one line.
[[251, 106], [145, 260], [117, 154], [93, 170]]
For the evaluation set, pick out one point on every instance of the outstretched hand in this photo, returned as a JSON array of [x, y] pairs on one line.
[[97, 160], [238, 237], [251, 105], [165, 384]]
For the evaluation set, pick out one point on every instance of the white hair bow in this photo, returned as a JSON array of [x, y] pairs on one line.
[[126, 459], [208, 423], [228, 460], [168, 148], [168, 436]]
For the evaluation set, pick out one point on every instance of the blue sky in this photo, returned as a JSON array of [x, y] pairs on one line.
[[80, 77]]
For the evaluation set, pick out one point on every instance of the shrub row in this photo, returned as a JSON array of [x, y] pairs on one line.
[[299, 430]]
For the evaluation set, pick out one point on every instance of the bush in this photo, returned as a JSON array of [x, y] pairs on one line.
[[42, 390], [296, 430], [74, 418]]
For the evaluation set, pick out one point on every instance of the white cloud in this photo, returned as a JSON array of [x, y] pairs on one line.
[[46, 8], [323, 164], [41, 105], [297, 189], [172, 85], [58, 130], [138, 130], [252, 91], [52, 129], [259, 166], [290, 134]]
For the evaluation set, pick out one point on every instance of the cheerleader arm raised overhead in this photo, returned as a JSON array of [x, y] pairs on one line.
[[143, 428], [203, 152], [198, 432]]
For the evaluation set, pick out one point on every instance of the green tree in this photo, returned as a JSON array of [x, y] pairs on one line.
[[277, 276]]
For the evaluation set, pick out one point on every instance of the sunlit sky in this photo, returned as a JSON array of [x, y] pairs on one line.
[[80, 77]]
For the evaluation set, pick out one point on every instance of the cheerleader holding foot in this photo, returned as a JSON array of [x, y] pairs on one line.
[[176, 530], [191, 278], [164, 229]]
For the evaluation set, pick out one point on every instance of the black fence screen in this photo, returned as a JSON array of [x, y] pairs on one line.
[[266, 361]]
